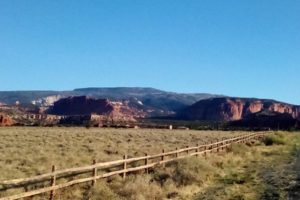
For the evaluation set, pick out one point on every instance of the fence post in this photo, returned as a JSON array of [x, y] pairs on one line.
[[94, 173], [197, 150], [53, 180], [211, 147], [205, 150], [124, 166], [218, 145], [222, 145], [187, 151], [146, 163], [176, 152], [163, 157]]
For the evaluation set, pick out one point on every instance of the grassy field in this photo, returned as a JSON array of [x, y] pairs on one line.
[[262, 171], [27, 151]]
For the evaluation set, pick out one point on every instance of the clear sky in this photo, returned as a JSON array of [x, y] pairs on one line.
[[246, 48]]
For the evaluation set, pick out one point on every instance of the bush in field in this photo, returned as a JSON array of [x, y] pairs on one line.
[[238, 148], [271, 193], [273, 139], [140, 187], [191, 171], [236, 178], [101, 192]]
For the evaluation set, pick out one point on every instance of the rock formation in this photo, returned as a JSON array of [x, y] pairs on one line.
[[81, 105], [228, 109], [46, 101], [84, 105], [6, 120]]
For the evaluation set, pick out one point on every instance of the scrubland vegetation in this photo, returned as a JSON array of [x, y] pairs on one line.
[[27, 151], [256, 170]]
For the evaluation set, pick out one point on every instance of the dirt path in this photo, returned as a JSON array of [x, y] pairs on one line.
[[295, 192]]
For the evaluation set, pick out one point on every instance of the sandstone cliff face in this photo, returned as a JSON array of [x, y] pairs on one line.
[[6, 121], [84, 105], [286, 108], [228, 109], [254, 107], [81, 105]]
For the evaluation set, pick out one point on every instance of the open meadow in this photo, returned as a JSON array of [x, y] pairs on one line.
[[256, 170], [27, 151]]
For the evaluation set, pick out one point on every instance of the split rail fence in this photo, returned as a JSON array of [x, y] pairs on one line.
[[163, 157]]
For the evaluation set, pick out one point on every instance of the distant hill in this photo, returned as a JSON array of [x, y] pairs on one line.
[[230, 108], [155, 102]]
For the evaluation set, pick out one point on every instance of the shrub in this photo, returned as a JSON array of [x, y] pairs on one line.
[[270, 193], [273, 139], [100, 192], [211, 193], [161, 176], [238, 148], [140, 187], [236, 178], [191, 171], [295, 150]]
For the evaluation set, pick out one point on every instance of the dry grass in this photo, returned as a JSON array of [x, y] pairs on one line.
[[255, 171], [27, 151]]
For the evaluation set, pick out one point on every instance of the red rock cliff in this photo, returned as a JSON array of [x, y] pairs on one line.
[[6, 121], [84, 105], [227, 109]]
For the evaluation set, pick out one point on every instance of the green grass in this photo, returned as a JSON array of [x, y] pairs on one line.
[[256, 170]]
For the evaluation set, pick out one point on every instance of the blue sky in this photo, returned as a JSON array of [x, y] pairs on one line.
[[246, 48]]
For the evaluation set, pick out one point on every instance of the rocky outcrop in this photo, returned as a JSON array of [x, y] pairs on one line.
[[81, 105], [46, 101], [6, 120], [286, 108], [84, 105], [228, 109]]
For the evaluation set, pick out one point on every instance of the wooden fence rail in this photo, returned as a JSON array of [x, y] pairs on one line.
[[54, 175]]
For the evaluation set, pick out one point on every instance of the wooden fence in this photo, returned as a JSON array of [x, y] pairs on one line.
[[163, 157]]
